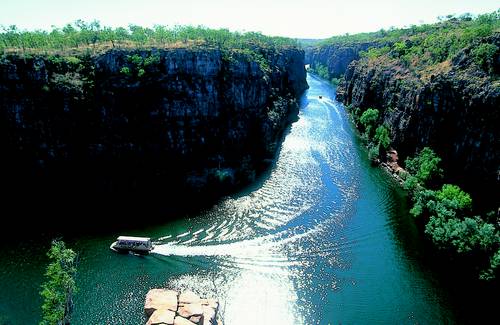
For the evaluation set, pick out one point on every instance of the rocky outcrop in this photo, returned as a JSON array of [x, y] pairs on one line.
[[155, 122], [337, 57], [170, 307], [391, 164], [452, 108]]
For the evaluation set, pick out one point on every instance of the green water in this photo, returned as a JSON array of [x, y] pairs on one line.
[[322, 238]]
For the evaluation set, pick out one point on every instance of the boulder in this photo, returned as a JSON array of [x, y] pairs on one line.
[[162, 317], [189, 297], [213, 303], [196, 319], [188, 310], [182, 321], [160, 299], [209, 316]]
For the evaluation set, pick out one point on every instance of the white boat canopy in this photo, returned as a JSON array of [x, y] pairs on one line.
[[136, 239]]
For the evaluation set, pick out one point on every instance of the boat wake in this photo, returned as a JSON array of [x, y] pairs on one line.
[[283, 220]]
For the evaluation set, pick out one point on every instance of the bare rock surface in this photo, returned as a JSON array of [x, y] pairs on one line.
[[160, 299], [168, 307]]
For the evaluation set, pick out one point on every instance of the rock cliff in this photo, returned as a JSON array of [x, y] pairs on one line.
[[155, 122], [453, 108]]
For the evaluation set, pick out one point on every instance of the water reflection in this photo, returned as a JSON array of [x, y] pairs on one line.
[[313, 243], [266, 244]]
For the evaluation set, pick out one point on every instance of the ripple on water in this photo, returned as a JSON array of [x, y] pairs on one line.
[[293, 234]]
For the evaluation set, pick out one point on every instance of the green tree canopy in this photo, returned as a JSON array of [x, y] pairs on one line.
[[382, 137], [425, 166], [369, 119]]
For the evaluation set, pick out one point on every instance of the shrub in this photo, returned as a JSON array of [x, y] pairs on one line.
[[335, 81], [374, 153], [73, 61], [422, 200], [135, 60], [374, 52], [126, 71], [484, 54], [152, 60], [489, 273]]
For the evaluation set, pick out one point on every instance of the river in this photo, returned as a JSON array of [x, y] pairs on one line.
[[322, 238]]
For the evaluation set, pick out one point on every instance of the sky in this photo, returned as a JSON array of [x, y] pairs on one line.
[[292, 18]]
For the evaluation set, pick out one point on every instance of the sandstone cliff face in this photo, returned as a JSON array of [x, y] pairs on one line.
[[143, 120], [336, 57], [453, 109]]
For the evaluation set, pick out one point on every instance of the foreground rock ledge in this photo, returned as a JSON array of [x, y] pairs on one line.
[[170, 307]]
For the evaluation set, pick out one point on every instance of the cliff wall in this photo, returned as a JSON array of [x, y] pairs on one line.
[[159, 123], [453, 108]]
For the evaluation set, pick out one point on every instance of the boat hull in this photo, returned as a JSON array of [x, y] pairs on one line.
[[124, 250]]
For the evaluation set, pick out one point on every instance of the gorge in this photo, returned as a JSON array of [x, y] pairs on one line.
[[253, 177], [314, 240]]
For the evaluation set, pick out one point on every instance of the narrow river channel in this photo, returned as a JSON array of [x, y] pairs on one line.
[[322, 238]]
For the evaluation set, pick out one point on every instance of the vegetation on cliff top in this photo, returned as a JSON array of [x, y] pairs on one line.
[[79, 39], [443, 41], [91, 36], [419, 47]]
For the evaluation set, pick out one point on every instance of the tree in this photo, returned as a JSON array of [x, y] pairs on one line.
[[92, 34], [121, 34], [161, 34], [368, 120], [109, 35], [422, 199], [382, 137], [464, 235], [59, 287], [454, 197], [138, 34], [425, 166], [70, 35]]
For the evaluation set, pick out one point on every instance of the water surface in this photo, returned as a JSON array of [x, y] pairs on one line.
[[322, 238]]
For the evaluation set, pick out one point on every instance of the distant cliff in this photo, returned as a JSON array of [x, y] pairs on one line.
[[154, 122], [337, 57]]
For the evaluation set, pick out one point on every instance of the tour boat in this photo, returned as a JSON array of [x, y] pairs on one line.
[[124, 244]]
